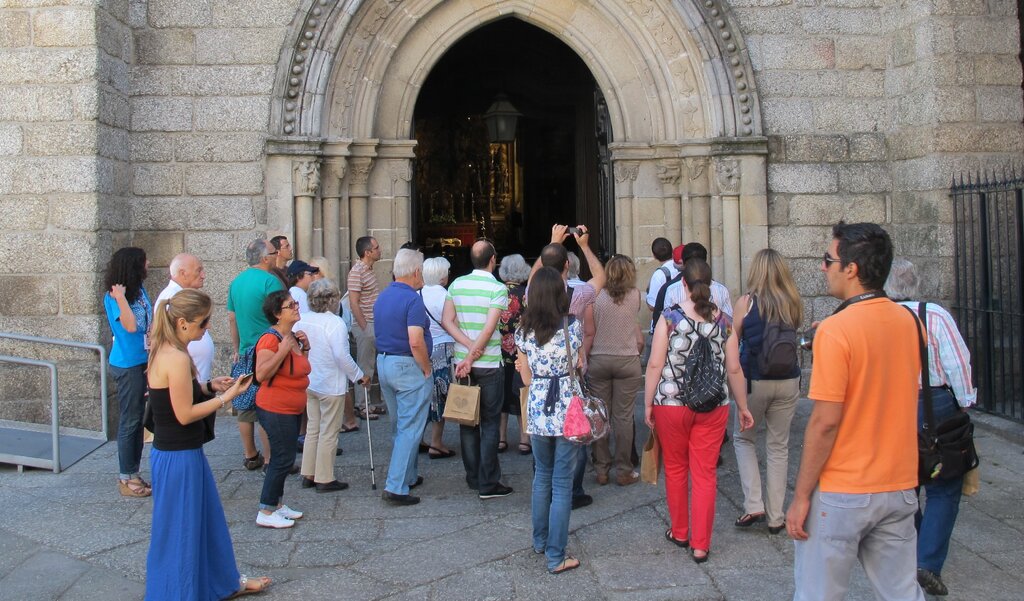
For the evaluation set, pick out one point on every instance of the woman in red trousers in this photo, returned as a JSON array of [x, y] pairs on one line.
[[690, 440]]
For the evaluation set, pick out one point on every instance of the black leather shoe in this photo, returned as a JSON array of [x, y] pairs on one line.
[[419, 480], [331, 486], [498, 491], [582, 501], [931, 583], [338, 452], [776, 529], [307, 482], [394, 499]]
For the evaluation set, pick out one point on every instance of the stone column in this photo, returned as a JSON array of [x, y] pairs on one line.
[[333, 238], [727, 180], [669, 173], [305, 185], [393, 191], [696, 202], [358, 193], [625, 205]]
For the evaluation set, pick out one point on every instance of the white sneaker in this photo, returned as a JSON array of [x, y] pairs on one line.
[[273, 520], [288, 513]]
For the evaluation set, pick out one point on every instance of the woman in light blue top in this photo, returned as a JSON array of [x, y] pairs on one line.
[[130, 315], [541, 338]]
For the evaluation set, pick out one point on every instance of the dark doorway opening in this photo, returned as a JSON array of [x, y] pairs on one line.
[[556, 168]]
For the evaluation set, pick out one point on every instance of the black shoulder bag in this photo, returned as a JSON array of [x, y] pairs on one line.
[[945, 451]]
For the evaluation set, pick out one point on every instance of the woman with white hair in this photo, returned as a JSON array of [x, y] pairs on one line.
[[514, 272], [332, 367], [949, 367], [435, 278]]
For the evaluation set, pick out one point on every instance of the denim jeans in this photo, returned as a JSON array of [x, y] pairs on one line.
[[554, 459], [131, 398], [942, 497], [480, 443], [407, 393], [282, 430], [579, 470]]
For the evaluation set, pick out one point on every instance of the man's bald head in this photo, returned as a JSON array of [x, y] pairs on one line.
[[555, 256], [481, 254], [187, 270]]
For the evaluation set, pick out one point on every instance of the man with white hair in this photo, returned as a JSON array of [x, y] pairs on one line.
[[187, 272], [402, 337]]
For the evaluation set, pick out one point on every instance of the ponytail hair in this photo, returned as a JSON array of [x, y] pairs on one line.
[[697, 275], [187, 304]]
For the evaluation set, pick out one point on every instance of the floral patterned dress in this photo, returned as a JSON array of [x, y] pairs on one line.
[[549, 364], [508, 323]]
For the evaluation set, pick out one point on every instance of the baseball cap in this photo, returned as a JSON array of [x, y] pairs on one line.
[[299, 267], [677, 253]]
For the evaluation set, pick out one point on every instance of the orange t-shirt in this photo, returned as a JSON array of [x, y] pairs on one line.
[[868, 358], [287, 393]]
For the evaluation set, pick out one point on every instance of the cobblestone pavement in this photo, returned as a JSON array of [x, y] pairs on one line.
[[72, 537]]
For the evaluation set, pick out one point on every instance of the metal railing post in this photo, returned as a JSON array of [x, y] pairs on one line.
[[55, 417]]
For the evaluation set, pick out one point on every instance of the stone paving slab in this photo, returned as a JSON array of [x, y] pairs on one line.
[[73, 537]]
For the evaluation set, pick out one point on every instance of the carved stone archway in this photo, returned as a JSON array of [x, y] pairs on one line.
[[688, 150]]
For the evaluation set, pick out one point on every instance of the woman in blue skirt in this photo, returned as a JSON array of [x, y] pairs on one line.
[[190, 553]]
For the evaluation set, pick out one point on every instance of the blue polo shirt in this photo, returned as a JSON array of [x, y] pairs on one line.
[[397, 308]]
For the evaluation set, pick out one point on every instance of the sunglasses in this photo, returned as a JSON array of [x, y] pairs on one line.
[[828, 260], [205, 323], [291, 305]]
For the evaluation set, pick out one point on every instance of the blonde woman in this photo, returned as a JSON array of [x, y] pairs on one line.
[[190, 554], [771, 297]]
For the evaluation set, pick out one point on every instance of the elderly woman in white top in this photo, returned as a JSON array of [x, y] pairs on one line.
[[332, 367], [435, 278]]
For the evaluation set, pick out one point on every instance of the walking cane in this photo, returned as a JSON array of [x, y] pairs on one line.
[[369, 439]]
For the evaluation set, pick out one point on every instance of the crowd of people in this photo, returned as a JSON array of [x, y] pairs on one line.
[[530, 339]]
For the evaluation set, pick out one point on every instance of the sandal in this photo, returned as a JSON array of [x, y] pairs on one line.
[[502, 446], [361, 414], [378, 410], [569, 563], [675, 541], [749, 519], [525, 448], [701, 558], [436, 453], [347, 429], [136, 487], [253, 463], [261, 583]]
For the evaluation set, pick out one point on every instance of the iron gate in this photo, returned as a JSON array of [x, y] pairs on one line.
[[989, 233]]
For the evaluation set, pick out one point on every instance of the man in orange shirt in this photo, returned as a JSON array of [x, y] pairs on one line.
[[854, 496]]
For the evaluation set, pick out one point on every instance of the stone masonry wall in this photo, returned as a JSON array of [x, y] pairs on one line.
[[870, 107]]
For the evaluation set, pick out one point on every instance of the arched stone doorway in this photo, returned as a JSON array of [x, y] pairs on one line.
[[687, 149]]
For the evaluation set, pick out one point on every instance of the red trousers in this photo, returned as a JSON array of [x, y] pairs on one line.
[[690, 443]]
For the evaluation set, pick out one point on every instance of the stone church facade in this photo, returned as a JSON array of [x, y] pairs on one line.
[[195, 125]]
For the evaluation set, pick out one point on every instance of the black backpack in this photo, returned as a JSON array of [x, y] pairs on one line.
[[701, 382], [659, 303], [780, 352]]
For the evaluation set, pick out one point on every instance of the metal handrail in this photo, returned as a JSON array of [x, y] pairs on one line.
[[55, 417], [104, 400]]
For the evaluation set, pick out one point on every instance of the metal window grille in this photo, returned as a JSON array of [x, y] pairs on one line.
[[989, 243]]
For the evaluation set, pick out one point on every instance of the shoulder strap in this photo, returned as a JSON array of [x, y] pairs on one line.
[[429, 314], [926, 385], [568, 353]]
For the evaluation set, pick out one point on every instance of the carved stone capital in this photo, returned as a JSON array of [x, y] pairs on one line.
[[669, 172], [334, 172], [305, 177], [727, 176], [360, 172], [626, 171]]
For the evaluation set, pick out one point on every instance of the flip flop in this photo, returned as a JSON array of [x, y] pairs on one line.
[[436, 453], [502, 446], [569, 563], [525, 448], [362, 414], [263, 583], [346, 430]]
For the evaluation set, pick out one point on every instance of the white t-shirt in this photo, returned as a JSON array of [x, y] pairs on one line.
[[300, 297], [719, 296], [658, 280], [329, 355], [200, 350], [433, 300]]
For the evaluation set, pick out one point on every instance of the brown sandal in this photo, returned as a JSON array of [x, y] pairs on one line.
[[136, 487]]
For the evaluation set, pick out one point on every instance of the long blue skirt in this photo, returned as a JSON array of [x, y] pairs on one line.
[[190, 553]]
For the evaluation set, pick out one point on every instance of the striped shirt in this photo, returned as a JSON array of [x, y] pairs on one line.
[[473, 296], [949, 361], [362, 280]]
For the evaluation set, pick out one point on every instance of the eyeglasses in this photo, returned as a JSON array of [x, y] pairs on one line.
[[205, 323], [273, 253], [828, 260], [291, 305]]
